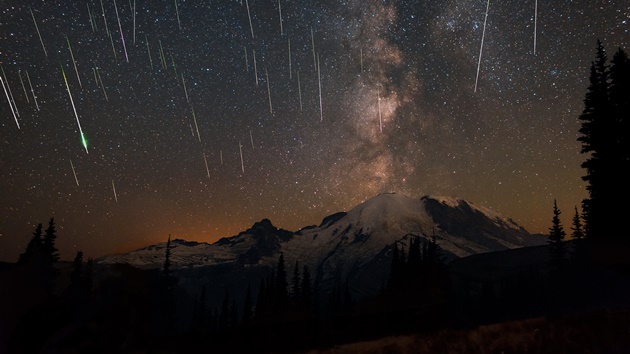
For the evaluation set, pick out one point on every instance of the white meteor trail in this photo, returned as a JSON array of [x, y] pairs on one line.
[[290, 73], [280, 12], [98, 73], [177, 12], [313, 47], [32, 91], [535, 23], [73, 61], [10, 104], [134, 21], [146, 39], [249, 16], [185, 91], [255, 69], [269, 92], [39, 34], [380, 117], [114, 189], [12, 100], [83, 140], [483, 34], [206, 161], [251, 138], [361, 55], [195, 120], [240, 149], [90, 17], [24, 87], [221, 156], [74, 173], [299, 90], [122, 37], [246, 62], [319, 79], [109, 34]]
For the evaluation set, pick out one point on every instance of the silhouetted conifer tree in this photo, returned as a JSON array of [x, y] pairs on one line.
[[295, 282], [224, 315], [555, 240], [49, 242], [247, 308], [619, 91], [282, 295], [167, 257], [576, 226], [34, 246], [76, 277], [234, 320], [606, 111], [307, 289]]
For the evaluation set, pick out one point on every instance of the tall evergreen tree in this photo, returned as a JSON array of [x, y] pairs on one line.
[[620, 110], [555, 240], [224, 315], [576, 226], [282, 295], [49, 242], [247, 308], [605, 138], [306, 288], [295, 282], [76, 277], [34, 246], [167, 257]]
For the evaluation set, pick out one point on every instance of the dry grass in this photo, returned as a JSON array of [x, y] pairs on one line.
[[603, 332]]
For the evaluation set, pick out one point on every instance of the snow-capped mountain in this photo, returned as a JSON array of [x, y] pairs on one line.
[[353, 247]]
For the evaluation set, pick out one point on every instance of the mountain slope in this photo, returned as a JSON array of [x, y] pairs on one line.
[[347, 248]]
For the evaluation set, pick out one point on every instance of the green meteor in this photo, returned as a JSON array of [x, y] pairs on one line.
[[83, 139]]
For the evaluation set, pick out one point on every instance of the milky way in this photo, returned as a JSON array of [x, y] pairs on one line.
[[207, 121]]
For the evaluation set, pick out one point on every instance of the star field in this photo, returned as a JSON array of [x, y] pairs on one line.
[[189, 82]]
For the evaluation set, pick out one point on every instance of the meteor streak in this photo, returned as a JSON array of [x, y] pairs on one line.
[[483, 34], [12, 100], [37, 28], [32, 91], [90, 17], [250, 18], [269, 92], [146, 39], [177, 12], [380, 117], [280, 12], [246, 62], [134, 21], [114, 189], [255, 69], [24, 87], [83, 140], [535, 23], [74, 173], [240, 149], [290, 58], [195, 120], [221, 156], [313, 46], [251, 138], [109, 34], [299, 90], [73, 61], [10, 104], [98, 73], [122, 37], [206, 161], [185, 91], [319, 79]]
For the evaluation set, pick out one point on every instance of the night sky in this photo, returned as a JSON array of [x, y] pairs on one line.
[[398, 112]]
